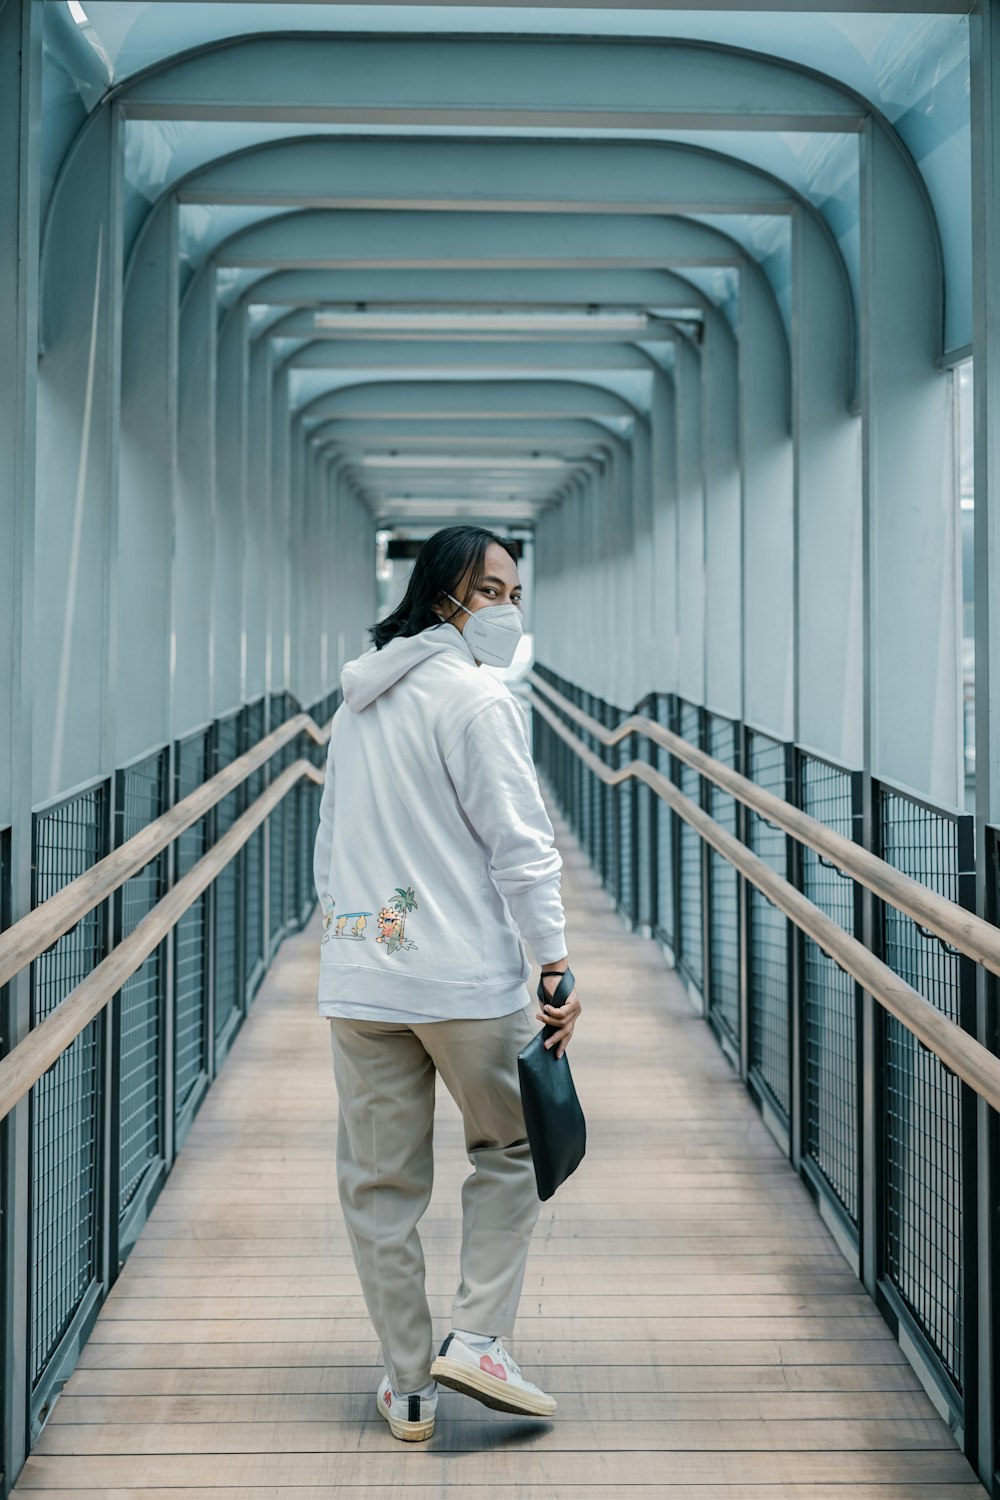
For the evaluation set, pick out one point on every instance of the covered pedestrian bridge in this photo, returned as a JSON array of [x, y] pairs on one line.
[[696, 306]]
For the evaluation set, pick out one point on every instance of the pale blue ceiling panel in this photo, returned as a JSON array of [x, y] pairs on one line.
[[915, 69], [305, 385], [767, 239], [887, 58], [158, 153], [262, 315], [948, 175], [721, 285], [202, 227], [286, 348], [662, 353], [74, 77], [821, 167], [231, 281]]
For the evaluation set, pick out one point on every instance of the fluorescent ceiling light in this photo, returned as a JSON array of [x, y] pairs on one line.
[[408, 321], [456, 461], [677, 314], [450, 500], [78, 13]]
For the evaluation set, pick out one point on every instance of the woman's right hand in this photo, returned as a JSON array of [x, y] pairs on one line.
[[563, 1017]]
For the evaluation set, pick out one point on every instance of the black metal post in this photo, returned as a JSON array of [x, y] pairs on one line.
[[743, 833], [796, 999], [970, 1131]]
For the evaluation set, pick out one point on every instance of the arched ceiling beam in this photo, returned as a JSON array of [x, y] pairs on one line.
[[319, 238], [557, 435], [508, 176], [429, 174], [585, 443], [539, 483], [437, 512], [550, 84], [430, 400], [349, 355], [303, 290], [407, 81], [491, 467], [324, 239], [515, 289], [530, 489], [417, 485], [624, 287]]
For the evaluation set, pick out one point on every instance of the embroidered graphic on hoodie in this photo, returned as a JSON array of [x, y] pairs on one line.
[[340, 927], [328, 904], [392, 920]]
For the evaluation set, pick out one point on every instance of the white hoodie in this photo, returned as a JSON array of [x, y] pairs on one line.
[[435, 854]]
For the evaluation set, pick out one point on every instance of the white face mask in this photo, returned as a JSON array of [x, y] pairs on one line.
[[493, 631]]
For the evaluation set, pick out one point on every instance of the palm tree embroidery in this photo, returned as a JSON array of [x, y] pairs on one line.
[[392, 920]]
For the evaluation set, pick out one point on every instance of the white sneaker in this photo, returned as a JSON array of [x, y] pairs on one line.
[[491, 1377], [410, 1418]]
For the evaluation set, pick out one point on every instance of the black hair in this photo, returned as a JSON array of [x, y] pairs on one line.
[[441, 563]]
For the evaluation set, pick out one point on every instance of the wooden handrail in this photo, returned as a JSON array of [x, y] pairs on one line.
[[40, 928], [964, 930], [950, 1044], [47, 1041]]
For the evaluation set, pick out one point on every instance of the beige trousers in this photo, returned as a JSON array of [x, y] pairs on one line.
[[385, 1167]]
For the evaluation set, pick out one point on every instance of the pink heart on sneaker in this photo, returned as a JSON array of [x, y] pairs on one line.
[[488, 1366]]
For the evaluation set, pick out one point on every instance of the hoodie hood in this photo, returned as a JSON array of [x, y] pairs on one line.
[[368, 676]]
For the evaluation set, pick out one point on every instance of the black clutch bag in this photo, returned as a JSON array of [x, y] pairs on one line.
[[557, 1131]]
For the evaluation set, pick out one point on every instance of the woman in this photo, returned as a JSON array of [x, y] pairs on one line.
[[433, 831]]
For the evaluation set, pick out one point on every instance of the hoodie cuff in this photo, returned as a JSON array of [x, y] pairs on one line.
[[551, 947]]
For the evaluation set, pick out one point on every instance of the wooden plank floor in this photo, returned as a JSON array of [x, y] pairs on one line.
[[683, 1300]]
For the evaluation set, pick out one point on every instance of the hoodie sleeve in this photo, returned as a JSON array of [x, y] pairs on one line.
[[494, 776], [323, 848]]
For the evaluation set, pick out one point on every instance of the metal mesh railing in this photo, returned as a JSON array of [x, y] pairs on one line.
[[770, 1031], [609, 808], [254, 722], [227, 986], [604, 816], [66, 1102], [307, 800], [293, 865], [143, 794], [901, 1179], [191, 957], [279, 834], [276, 837], [830, 997], [310, 797], [723, 744], [922, 1100], [691, 945], [580, 778], [104, 1123], [587, 787], [625, 793], [597, 823], [645, 851], [665, 831]]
